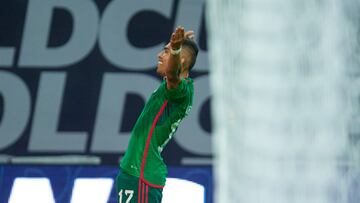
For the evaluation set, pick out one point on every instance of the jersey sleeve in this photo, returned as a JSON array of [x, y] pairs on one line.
[[182, 90]]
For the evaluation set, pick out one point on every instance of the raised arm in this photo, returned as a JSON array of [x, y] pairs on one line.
[[175, 62]]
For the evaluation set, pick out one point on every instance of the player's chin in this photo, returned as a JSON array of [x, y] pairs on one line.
[[160, 71]]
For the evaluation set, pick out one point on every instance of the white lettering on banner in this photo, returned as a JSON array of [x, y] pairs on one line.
[[107, 137], [31, 190], [16, 108], [97, 190], [34, 51], [113, 40], [190, 134], [7, 56], [91, 190], [44, 134]]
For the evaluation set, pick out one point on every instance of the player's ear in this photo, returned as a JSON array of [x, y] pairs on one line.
[[182, 62], [184, 66]]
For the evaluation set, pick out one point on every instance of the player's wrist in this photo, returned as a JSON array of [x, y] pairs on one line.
[[175, 51]]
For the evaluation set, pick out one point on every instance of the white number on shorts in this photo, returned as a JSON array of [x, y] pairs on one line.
[[128, 193]]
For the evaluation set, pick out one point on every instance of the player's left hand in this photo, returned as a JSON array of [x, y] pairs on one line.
[[190, 35]]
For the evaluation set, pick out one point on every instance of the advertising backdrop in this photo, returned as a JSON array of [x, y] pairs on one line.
[[74, 76]]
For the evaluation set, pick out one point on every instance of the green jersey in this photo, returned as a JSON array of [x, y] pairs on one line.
[[155, 126]]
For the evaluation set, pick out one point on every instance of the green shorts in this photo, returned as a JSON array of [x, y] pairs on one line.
[[131, 190]]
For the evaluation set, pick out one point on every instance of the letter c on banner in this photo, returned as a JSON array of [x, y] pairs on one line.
[[113, 41]]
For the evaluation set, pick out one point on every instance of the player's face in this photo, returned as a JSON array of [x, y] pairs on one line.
[[163, 58]]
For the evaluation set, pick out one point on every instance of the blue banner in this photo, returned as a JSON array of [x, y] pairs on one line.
[[62, 184]]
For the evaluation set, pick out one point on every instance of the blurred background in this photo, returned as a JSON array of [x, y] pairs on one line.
[[276, 113], [285, 98]]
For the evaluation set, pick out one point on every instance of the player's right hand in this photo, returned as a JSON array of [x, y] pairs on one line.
[[177, 38]]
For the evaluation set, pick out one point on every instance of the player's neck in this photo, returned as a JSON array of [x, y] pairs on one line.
[[184, 74]]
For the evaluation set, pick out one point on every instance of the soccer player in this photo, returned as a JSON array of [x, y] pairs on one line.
[[142, 173]]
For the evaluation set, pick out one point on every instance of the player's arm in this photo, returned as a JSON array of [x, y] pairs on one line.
[[175, 62]]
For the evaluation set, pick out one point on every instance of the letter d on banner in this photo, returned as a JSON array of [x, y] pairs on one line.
[[16, 108], [35, 51]]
